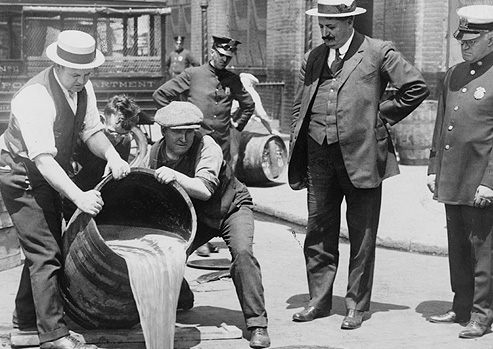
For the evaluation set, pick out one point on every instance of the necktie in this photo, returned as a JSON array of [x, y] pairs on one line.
[[337, 63]]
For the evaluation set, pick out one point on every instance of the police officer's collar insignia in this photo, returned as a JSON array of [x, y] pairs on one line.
[[479, 93]]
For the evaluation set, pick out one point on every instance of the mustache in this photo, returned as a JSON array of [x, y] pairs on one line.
[[328, 37]]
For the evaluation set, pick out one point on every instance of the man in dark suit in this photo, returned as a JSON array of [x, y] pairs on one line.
[[340, 148], [460, 172]]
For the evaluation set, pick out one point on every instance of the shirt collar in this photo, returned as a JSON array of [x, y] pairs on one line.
[[344, 48], [65, 91]]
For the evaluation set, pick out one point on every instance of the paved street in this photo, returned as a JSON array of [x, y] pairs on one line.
[[408, 288]]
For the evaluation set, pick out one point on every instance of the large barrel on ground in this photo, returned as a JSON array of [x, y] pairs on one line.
[[414, 134], [262, 158], [96, 286]]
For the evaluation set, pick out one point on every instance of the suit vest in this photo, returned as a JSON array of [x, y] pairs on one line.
[[323, 115], [66, 128]]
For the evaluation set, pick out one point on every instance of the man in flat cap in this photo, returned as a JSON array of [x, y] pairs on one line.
[[460, 172], [179, 59], [212, 88], [48, 115], [340, 148], [223, 205]]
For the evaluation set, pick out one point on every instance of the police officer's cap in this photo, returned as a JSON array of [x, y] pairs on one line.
[[179, 115], [225, 46], [473, 21]]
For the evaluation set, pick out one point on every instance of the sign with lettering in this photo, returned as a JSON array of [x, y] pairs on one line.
[[9, 68], [126, 84]]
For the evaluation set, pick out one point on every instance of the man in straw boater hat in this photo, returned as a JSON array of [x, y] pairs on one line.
[[223, 205], [460, 172], [48, 114], [341, 149]]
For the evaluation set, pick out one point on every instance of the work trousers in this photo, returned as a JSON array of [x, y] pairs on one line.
[[328, 185], [470, 245], [237, 231], [35, 209]]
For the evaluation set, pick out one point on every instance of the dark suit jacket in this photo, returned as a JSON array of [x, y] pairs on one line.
[[368, 152]]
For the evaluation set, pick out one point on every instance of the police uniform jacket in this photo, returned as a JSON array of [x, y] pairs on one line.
[[367, 150], [213, 91], [461, 154], [179, 61]]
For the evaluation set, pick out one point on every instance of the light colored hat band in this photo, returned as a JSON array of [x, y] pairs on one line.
[[76, 57], [336, 9]]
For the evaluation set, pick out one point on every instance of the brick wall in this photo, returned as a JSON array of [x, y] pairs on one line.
[[419, 29]]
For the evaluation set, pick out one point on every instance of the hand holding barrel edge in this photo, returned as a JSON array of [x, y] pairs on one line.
[[165, 175], [90, 202]]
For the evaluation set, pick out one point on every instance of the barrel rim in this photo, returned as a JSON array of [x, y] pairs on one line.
[[149, 172]]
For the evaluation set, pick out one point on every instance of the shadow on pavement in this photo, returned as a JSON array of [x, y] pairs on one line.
[[339, 307]]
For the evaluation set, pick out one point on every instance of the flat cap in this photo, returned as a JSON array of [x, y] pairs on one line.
[[474, 20], [179, 115], [225, 46]]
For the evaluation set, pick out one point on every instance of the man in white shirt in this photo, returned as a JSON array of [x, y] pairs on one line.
[[49, 113]]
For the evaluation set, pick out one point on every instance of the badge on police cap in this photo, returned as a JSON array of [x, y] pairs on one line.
[[479, 93]]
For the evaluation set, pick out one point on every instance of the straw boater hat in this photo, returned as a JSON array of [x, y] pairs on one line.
[[179, 115], [336, 8], [474, 20], [75, 49]]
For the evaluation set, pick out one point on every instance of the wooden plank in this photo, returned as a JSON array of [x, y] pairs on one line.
[[183, 333]]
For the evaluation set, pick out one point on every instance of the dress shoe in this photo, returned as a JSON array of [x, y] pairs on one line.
[[260, 338], [353, 319], [309, 314], [449, 317], [474, 329], [206, 249], [67, 342]]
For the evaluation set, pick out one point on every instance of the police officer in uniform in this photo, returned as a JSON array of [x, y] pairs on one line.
[[180, 58], [212, 88], [460, 172]]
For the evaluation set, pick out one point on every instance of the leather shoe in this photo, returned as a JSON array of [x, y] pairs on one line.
[[309, 314], [67, 342], [474, 329], [353, 319], [449, 317], [260, 338]]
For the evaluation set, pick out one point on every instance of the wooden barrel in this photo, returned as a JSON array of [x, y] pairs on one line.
[[262, 158], [95, 286], [414, 134]]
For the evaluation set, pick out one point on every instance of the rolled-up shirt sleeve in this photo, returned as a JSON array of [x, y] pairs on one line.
[[208, 164], [34, 111]]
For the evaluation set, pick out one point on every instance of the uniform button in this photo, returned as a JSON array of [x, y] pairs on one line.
[[473, 72], [447, 147], [464, 89], [479, 63], [450, 128], [456, 108], [215, 115]]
